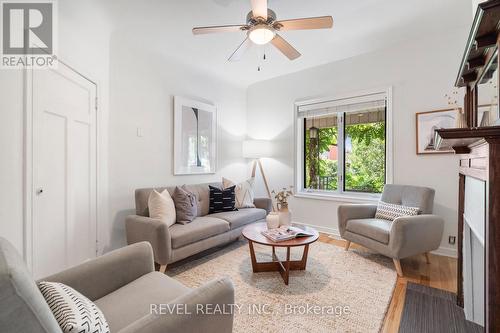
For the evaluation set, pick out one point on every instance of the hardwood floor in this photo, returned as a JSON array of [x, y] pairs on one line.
[[439, 273]]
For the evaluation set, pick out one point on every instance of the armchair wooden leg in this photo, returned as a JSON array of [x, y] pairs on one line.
[[427, 257], [397, 263], [347, 244], [163, 269]]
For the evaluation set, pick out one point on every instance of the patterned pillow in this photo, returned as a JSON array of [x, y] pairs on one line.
[[388, 211], [221, 200], [74, 312], [243, 191]]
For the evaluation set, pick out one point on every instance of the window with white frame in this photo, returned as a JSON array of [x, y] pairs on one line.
[[343, 144]]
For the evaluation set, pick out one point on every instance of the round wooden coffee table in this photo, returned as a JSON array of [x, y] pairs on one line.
[[253, 233]]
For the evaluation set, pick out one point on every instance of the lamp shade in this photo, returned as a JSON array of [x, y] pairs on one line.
[[257, 149]]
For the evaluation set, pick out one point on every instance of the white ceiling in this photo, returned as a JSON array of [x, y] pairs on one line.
[[360, 26]]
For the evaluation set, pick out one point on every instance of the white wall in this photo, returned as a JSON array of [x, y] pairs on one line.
[[135, 89], [11, 156], [420, 72], [83, 44], [143, 84]]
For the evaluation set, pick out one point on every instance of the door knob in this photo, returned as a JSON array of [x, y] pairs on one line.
[[39, 191]]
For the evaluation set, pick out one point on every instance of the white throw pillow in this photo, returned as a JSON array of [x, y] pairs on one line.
[[390, 212], [243, 191], [162, 207], [74, 312]]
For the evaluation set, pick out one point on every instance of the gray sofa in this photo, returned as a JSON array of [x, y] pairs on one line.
[[122, 283], [405, 236], [179, 241]]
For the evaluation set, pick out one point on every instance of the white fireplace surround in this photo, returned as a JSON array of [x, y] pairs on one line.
[[473, 249]]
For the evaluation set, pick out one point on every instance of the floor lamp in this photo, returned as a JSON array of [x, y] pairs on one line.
[[257, 149]]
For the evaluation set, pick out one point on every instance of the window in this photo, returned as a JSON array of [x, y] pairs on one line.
[[343, 145]]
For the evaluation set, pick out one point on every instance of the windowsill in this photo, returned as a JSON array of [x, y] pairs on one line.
[[341, 197]]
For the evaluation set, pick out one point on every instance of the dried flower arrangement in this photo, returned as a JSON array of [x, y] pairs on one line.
[[281, 197]]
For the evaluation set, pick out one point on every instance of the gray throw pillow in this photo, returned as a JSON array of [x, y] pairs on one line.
[[185, 205]]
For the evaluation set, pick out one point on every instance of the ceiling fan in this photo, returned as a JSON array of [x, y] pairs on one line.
[[262, 28]]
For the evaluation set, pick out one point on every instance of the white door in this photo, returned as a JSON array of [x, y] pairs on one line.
[[64, 220]]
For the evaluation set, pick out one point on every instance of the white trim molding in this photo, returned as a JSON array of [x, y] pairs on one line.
[[346, 197]]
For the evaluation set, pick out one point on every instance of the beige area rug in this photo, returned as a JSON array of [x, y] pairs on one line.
[[345, 291]]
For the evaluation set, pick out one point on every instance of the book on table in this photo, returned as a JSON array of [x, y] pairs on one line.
[[285, 233]]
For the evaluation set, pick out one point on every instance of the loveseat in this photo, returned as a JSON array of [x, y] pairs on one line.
[[179, 241]]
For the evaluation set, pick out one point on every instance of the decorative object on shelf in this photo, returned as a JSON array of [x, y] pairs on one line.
[[487, 94], [428, 122], [488, 114], [273, 220], [257, 149], [453, 97], [461, 122], [195, 140], [285, 216]]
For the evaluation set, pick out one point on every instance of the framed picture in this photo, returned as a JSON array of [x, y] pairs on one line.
[[195, 137], [429, 122]]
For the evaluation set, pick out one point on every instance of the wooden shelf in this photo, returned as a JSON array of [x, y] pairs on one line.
[[461, 138], [481, 43]]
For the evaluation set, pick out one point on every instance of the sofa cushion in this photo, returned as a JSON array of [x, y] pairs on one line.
[[201, 228], [221, 200], [199, 190], [375, 229], [241, 217], [244, 192], [73, 311], [132, 301], [186, 206], [162, 207], [390, 212], [412, 196]]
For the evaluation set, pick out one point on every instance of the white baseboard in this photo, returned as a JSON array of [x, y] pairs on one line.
[[325, 230], [446, 252], [334, 233]]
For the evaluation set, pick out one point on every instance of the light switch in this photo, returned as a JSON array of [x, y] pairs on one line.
[[140, 133]]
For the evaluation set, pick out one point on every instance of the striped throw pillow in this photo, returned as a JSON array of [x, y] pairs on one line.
[[390, 212], [221, 200], [74, 312]]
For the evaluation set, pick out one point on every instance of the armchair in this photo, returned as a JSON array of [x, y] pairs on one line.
[[405, 236]]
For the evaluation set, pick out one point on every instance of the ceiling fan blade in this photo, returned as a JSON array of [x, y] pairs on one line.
[[238, 53], [285, 47], [321, 22], [218, 28], [259, 8]]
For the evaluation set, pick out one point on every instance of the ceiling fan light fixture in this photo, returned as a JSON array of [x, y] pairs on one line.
[[261, 34]]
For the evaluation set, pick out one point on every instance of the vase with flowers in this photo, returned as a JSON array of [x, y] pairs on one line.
[[281, 197]]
